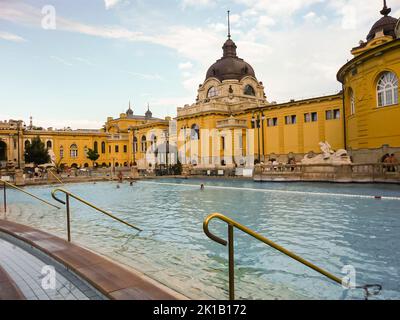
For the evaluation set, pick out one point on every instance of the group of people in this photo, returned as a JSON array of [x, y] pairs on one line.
[[390, 160]]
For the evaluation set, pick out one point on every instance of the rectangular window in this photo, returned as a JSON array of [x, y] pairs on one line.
[[328, 114], [240, 142], [389, 97], [74, 153], [109, 149], [116, 149], [61, 153], [307, 117], [336, 114], [125, 149], [314, 117], [290, 119], [223, 143], [380, 99], [272, 122]]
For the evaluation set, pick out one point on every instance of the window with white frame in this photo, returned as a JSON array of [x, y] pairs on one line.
[[272, 122], [388, 89], [291, 119], [73, 151], [352, 103], [212, 92]]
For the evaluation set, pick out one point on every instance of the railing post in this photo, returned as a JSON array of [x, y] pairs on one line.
[[5, 197], [231, 263], [68, 218]]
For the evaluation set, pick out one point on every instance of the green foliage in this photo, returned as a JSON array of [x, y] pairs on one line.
[[92, 155], [37, 152], [177, 168]]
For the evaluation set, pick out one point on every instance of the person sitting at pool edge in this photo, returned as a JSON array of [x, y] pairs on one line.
[[120, 176], [394, 161]]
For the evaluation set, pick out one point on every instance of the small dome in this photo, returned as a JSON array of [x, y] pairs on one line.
[[230, 66], [148, 114], [387, 24], [129, 112]]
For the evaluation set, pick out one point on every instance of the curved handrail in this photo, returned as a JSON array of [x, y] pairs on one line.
[[23, 191], [69, 194], [233, 224]]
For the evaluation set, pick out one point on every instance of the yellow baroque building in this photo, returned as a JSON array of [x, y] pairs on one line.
[[232, 123]]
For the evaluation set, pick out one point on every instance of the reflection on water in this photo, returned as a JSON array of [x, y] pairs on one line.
[[331, 231]]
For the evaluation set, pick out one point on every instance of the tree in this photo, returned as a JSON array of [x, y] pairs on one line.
[[93, 155], [36, 152]]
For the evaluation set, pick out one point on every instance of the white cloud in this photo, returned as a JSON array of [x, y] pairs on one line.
[[292, 62], [110, 3], [266, 21], [185, 65], [197, 3], [11, 37]]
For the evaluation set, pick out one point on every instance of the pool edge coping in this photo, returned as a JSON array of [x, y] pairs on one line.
[[102, 267]]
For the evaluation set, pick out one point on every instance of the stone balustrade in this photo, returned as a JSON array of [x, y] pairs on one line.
[[359, 172]]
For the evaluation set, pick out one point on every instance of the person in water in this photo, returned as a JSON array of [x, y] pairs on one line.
[[202, 187]]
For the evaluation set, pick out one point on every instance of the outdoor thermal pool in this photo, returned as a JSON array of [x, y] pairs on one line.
[[332, 225]]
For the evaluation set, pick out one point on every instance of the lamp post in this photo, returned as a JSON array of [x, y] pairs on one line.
[[167, 150], [184, 140], [258, 120], [256, 124], [262, 134]]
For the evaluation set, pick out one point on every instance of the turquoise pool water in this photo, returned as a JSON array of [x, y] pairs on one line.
[[332, 225]]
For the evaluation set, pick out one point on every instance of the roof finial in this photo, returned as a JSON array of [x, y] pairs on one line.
[[385, 11], [148, 106], [129, 104], [229, 25]]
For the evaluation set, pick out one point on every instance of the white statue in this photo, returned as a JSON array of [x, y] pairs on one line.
[[328, 156]]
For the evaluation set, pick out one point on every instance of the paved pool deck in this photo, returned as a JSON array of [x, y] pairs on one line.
[[113, 280]]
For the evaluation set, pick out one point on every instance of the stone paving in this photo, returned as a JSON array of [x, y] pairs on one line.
[[31, 274]]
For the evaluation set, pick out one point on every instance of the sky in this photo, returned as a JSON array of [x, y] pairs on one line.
[[75, 63]]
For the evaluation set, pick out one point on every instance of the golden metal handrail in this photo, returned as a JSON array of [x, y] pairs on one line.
[[54, 175], [5, 184], [69, 194], [233, 224]]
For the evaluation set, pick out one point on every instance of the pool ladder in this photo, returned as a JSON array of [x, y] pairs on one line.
[[369, 289], [7, 184], [69, 195]]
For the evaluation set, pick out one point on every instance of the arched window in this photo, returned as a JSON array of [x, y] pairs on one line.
[[96, 146], [352, 102], [249, 91], [388, 89], [195, 132], [27, 144], [3, 151], [135, 144], [212, 92], [144, 144], [61, 152], [86, 150], [153, 143], [49, 145], [103, 147], [73, 151]]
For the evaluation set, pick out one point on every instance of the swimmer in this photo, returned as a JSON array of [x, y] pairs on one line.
[[118, 186], [202, 187]]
